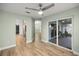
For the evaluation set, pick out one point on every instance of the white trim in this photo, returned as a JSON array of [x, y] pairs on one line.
[[3, 48], [29, 41], [77, 53], [72, 33], [57, 32], [44, 41], [67, 17]]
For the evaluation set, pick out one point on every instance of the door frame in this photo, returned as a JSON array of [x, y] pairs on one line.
[[57, 32], [48, 30]]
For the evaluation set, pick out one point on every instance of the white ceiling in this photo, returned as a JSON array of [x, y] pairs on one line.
[[19, 8]]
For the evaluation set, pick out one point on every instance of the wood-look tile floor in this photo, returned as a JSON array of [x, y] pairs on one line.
[[36, 49]]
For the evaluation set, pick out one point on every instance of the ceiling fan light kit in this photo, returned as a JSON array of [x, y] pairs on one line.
[[41, 10]]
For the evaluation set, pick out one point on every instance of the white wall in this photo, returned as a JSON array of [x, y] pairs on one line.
[[33, 29], [8, 28], [74, 13]]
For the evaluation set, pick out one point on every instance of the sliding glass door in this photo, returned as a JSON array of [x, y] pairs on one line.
[[65, 33], [61, 34]]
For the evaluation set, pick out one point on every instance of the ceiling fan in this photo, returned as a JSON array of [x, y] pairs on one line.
[[41, 8]]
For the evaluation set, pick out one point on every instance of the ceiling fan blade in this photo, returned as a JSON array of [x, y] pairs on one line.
[[31, 9], [28, 12], [47, 7]]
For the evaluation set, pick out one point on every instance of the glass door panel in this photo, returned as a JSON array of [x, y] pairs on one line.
[[52, 32], [65, 33]]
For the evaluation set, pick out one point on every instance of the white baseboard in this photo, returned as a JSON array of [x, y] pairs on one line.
[[29, 41], [44, 41], [8, 47], [77, 53]]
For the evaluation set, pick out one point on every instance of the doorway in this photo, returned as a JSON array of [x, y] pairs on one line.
[[21, 33], [17, 29], [38, 30]]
